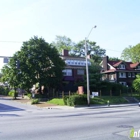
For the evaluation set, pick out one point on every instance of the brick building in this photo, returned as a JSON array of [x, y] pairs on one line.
[[74, 70], [119, 71]]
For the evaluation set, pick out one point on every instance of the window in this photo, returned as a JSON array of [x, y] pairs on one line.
[[138, 67], [123, 83], [80, 72], [122, 74], [129, 74], [133, 74], [121, 66], [112, 77], [67, 72]]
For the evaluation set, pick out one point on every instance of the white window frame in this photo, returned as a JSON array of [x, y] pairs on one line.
[[122, 75], [129, 74], [133, 74], [67, 72], [80, 73], [138, 67], [123, 83], [121, 66]]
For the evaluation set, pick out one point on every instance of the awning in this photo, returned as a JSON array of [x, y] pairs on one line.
[[68, 78]]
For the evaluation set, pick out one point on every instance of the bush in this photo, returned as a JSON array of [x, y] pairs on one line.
[[29, 95], [35, 101], [12, 93], [65, 98], [38, 96], [75, 100], [4, 90]]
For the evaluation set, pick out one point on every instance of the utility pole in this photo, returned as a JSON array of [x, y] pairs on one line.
[[87, 72]]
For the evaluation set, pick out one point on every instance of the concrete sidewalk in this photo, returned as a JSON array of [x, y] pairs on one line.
[[94, 106], [52, 106]]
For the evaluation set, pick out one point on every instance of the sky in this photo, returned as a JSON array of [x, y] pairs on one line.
[[117, 21]]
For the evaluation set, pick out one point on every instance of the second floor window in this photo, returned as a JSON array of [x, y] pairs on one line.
[[129, 74], [67, 72], [80, 72], [121, 66], [138, 67], [122, 75], [133, 74]]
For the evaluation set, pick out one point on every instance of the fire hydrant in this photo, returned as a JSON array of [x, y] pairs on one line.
[[108, 103]]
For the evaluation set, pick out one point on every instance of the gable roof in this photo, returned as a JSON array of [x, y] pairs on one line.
[[129, 65], [134, 65]]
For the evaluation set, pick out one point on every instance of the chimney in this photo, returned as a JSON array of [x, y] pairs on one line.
[[65, 52], [105, 61]]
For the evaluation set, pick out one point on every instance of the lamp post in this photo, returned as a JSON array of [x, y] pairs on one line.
[[87, 73]]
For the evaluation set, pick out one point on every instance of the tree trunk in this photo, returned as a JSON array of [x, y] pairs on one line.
[[15, 94]]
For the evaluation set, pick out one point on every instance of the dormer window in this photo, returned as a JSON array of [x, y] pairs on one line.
[[138, 67], [121, 66]]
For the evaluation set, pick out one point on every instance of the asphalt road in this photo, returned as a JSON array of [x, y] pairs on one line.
[[24, 122]]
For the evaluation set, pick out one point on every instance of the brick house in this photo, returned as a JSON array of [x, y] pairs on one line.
[[119, 71], [74, 70]]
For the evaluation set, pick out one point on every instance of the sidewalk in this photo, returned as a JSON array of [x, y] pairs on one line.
[[52, 106]]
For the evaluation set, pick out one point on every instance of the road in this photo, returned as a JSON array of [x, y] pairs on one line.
[[24, 122]]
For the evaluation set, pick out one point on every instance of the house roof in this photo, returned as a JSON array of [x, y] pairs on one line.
[[117, 64], [108, 71], [129, 65], [133, 65]]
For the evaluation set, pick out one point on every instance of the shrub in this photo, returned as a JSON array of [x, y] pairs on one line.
[[29, 95], [38, 96], [76, 100], [12, 93], [35, 101], [65, 98], [4, 90]]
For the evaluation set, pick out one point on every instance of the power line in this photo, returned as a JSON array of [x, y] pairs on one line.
[[23, 41], [11, 41]]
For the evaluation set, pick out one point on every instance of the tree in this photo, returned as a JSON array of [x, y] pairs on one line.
[[96, 53], [114, 59], [39, 63], [127, 54], [136, 83], [10, 74], [94, 77], [131, 53], [63, 42]]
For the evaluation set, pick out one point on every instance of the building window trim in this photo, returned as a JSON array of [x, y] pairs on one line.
[[80, 72], [122, 75], [67, 72]]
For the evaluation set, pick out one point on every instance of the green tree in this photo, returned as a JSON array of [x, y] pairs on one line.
[[10, 74], [127, 54], [94, 77], [131, 53], [114, 59], [136, 83], [96, 53], [40, 62], [63, 42]]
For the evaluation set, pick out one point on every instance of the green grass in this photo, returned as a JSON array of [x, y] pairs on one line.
[[95, 101], [112, 99], [56, 101]]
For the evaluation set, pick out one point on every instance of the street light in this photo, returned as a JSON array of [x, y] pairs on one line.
[[87, 73]]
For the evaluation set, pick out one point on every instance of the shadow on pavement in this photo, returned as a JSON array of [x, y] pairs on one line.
[[9, 115], [8, 108]]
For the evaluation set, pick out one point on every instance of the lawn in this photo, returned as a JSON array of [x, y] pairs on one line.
[[94, 101], [56, 101]]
